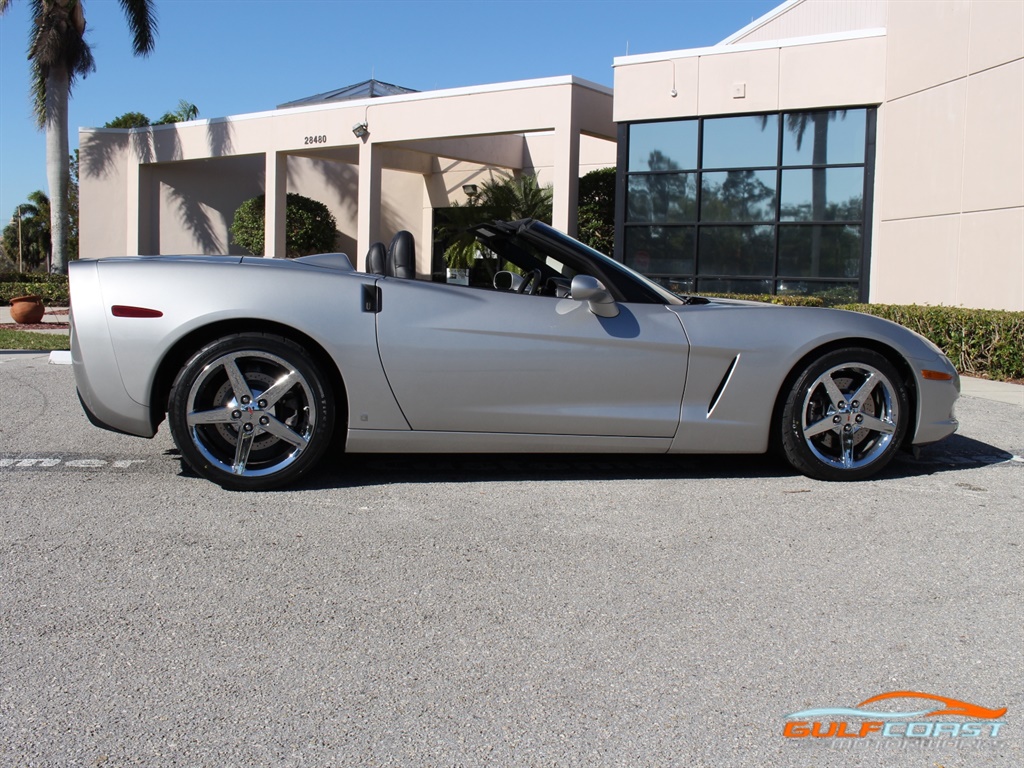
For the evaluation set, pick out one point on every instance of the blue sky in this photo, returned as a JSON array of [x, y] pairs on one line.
[[231, 57]]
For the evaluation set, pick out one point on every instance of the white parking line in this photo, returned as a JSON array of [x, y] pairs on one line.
[[50, 462]]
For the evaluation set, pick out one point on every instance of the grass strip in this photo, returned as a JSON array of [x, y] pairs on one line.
[[28, 340]]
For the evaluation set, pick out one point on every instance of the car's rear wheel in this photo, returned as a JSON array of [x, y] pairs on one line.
[[845, 416], [251, 411]]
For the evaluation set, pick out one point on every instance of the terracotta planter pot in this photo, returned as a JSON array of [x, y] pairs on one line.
[[27, 309]]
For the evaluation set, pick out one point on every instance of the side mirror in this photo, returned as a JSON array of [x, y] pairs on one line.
[[592, 290]]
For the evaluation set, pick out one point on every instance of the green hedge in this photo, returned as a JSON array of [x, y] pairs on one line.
[[53, 289], [32, 277], [787, 299], [980, 342]]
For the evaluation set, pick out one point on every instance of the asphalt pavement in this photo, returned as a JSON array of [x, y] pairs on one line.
[[499, 610]]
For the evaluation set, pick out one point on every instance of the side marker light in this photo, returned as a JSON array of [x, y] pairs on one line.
[[120, 310], [936, 375]]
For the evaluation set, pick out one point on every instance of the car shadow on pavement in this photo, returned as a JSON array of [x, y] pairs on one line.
[[355, 470], [379, 469], [954, 453]]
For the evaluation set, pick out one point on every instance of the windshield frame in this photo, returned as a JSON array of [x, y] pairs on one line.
[[638, 287]]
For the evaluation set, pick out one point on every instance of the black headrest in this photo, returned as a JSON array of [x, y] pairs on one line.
[[402, 256], [376, 259]]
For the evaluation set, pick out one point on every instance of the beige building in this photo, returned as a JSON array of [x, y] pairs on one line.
[[868, 149], [381, 164]]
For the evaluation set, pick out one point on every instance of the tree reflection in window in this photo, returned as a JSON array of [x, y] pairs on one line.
[[776, 197], [738, 196]]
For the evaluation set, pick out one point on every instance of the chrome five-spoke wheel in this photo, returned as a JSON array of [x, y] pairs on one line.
[[845, 416], [250, 412]]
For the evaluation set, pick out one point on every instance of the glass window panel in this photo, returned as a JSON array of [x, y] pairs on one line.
[[678, 285], [737, 250], [830, 293], [741, 142], [668, 146], [816, 138], [718, 285], [820, 251], [820, 194], [738, 196], [662, 198], [660, 250]]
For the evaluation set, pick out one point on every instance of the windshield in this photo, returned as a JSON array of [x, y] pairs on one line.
[[606, 263]]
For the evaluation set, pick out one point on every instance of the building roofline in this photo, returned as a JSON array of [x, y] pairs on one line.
[[713, 50], [379, 101], [760, 21], [389, 89]]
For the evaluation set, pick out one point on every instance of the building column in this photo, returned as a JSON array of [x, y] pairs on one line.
[[368, 216], [276, 200], [565, 202], [133, 172]]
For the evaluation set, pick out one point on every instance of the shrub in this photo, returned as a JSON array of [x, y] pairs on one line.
[[789, 300], [980, 342], [33, 277], [507, 198], [53, 289], [596, 223], [309, 226]]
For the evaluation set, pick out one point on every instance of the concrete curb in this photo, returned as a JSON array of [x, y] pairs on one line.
[[1000, 391]]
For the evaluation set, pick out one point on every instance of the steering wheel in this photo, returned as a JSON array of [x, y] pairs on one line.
[[530, 282]]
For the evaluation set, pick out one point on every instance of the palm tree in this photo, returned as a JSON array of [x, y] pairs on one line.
[[186, 111], [59, 55], [507, 199], [27, 237]]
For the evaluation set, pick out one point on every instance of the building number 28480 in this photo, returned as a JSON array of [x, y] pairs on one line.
[[315, 140]]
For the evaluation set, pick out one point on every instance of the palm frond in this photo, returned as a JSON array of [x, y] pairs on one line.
[[141, 18], [56, 41]]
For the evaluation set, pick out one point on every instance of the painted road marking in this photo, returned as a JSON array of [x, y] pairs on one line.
[[51, 462]]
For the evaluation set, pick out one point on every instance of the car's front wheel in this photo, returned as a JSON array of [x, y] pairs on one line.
[[251, 411], [845, 416]]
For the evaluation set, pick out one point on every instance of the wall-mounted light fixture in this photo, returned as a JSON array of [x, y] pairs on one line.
[[361, 130], [471, 190]]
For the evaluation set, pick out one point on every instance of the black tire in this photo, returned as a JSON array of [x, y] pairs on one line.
[[251, 411], [845, 417]]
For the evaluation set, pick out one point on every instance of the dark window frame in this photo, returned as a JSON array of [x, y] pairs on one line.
[[861, 282]]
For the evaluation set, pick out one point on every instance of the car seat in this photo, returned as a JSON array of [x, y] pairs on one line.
[[376, 259], [402, 256]]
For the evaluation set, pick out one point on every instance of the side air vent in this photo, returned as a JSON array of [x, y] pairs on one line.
[[722, 385]]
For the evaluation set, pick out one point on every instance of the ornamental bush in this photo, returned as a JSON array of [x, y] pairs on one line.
[[979, 342], [52, 289], [309, 226], [988, 343], [788, 299], [596, 222], [507, 198]]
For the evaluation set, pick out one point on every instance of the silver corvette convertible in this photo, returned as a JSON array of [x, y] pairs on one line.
[[263, 367]]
